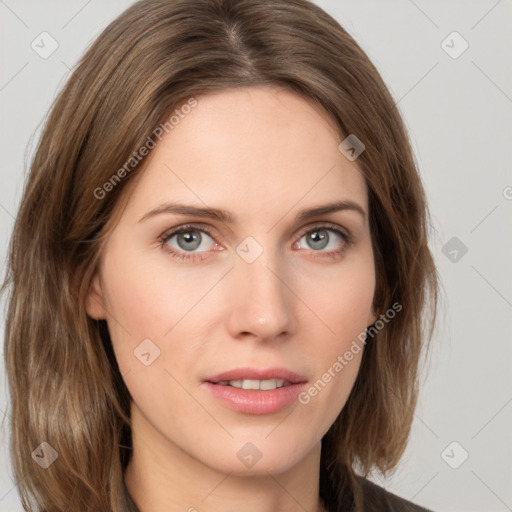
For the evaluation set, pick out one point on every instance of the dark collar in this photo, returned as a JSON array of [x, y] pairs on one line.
[[338, 495]]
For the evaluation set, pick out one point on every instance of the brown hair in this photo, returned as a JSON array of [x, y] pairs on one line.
[[146, 63]]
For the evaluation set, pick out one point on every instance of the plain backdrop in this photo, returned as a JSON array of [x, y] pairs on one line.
[[448, 66]]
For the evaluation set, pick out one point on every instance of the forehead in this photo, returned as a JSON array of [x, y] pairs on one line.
[[251, 149]]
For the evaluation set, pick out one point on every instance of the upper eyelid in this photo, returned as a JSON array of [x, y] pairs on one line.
[[209, 230]]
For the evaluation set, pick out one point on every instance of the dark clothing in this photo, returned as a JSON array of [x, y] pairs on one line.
[[373, 498], [377, 499]]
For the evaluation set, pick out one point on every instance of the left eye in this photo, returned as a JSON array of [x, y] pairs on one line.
[[319, 238]]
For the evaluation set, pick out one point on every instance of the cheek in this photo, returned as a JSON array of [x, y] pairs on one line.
[[155, 311], [342, 307], [143, 298], [341, 300]]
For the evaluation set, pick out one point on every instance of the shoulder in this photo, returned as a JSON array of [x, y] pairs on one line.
[[377, 499]]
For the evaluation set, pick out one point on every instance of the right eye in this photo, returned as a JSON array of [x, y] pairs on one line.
[[182, 242]]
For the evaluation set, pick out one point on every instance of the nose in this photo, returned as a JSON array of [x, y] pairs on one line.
[[262, 300]]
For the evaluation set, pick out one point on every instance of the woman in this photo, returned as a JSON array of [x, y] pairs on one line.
[[218, 272]]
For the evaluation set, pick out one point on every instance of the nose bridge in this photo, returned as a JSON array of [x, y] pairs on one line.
[[262, 301]]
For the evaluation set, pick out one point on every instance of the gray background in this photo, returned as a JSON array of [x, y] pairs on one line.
[[458, 109]]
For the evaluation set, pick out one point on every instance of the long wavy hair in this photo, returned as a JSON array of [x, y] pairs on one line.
[[64, 382]]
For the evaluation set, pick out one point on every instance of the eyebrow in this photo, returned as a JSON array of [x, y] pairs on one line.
[[228, 218]]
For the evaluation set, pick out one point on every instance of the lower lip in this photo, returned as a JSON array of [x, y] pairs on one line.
[[252, 401]]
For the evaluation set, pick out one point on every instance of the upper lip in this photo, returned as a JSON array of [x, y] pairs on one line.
[[257, 374]]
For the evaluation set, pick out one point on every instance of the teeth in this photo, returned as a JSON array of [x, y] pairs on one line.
[[263, 385]]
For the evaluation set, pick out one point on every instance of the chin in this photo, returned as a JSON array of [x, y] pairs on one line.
[[257, 456]]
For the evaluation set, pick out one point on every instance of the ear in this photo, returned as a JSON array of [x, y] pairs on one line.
[[94, 304]]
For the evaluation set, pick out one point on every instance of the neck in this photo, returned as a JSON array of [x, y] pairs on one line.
[[161, 477]]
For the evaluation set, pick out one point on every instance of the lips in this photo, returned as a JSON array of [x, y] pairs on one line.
[[256, 391]]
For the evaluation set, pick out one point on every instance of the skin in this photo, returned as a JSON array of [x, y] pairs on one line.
[[264, 154]]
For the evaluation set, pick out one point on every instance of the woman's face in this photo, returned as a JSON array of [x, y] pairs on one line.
[[275, 292]]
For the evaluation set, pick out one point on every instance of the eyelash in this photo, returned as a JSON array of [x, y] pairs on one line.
[[165, 237]]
